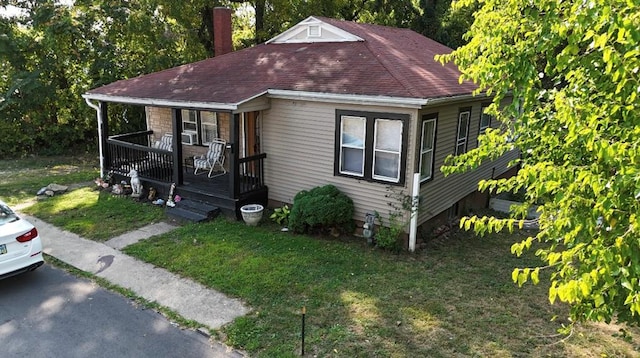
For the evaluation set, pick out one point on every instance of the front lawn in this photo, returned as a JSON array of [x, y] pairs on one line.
[[456, 299], [95, 214], [20, 179]]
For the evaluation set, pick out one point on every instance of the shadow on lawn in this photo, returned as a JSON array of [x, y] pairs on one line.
[[453, 299]]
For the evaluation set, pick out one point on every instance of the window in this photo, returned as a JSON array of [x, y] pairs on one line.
[[189, 120], [200, 125], [371, 146], [387, 149], [427, 144], [352, 145], [485, 119], [208, 127], [463, 130]]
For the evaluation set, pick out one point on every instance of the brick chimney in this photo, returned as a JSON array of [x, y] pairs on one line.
[[222, 31]]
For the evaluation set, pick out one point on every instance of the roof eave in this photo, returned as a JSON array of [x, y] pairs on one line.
[[162, 102], [404, 102], [347, 98]]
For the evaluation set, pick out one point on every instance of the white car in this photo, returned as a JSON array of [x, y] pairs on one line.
[[20, 244]]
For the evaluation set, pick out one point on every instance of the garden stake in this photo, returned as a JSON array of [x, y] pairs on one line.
[[304, 311]]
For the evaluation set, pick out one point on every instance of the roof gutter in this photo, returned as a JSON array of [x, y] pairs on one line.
[[348, 98], [405, 102], [159, 102]]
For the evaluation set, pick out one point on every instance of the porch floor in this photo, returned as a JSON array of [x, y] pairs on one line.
[[219, 185]]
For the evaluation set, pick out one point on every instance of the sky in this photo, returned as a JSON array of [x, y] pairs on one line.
[[10, 11]]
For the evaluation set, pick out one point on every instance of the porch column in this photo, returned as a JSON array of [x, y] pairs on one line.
[[176, 119], [234, 140], [103, 136]]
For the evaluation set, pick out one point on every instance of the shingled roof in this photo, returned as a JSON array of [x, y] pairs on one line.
[[381, 61]]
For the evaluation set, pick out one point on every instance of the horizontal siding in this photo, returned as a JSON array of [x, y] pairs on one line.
[[442, 192], [299, 136]]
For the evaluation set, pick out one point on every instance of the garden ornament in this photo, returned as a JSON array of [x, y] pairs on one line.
[[136, 186]]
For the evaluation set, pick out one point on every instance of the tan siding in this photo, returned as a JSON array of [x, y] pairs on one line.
[[441, 193], [299, 136]]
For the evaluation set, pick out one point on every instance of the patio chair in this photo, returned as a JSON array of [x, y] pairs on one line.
[[165, 143], [213, 158]]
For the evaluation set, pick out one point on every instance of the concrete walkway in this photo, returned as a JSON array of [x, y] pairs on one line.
[[185, 297]]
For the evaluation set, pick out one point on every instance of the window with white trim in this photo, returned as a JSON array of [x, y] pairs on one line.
[[189, 120], [463, 130], [371, 146], [427, 146], [352, 138], [204, 124], [208, 127], [387, 149]]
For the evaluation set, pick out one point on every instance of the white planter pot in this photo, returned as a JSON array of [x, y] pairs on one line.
[[252, 214]]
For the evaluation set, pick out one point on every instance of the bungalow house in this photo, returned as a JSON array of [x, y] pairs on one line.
[[359, 106]]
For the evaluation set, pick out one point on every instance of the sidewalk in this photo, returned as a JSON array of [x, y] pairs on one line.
[[185, 297]]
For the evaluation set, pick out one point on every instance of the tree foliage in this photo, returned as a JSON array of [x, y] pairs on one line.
[[572, 70], [52, 53]]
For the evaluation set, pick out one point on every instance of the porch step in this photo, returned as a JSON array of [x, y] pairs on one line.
[[194, 211]]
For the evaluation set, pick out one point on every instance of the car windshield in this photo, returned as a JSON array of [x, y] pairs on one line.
[[6, 214]]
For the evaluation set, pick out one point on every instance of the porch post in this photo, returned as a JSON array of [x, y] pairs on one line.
[[176, 119], [234, 139], [103, 134]]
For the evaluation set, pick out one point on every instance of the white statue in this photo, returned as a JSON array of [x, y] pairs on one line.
[[136, 186]]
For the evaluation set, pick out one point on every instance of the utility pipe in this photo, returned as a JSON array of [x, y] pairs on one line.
[[99, 117], [415, 202]]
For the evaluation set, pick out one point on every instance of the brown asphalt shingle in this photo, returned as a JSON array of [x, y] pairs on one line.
[[390, 62]]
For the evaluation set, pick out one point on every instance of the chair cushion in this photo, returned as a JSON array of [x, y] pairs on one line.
[[201, 163]]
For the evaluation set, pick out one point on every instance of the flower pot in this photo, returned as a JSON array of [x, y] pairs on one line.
[[252, 214]]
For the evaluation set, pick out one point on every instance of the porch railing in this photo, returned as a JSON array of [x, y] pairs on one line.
[[250, 174], [132, 151]]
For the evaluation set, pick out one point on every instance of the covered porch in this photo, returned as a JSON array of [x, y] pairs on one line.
[[160, 168]]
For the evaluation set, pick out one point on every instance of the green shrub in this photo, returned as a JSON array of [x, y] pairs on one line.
[[321, 208], [281, 215], [387, 236]]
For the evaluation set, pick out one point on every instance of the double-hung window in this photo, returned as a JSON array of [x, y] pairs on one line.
[[463, 130], [427, 146], [352, 138], [200, 126], [208, 127], [371, 146]]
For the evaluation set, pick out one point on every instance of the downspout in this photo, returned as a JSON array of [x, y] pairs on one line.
[[415, 202], [99, 118]]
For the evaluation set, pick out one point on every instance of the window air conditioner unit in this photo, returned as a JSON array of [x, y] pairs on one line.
[[189, 138]]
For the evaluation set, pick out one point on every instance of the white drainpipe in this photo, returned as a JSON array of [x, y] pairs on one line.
[[413, 230], [98, 116]]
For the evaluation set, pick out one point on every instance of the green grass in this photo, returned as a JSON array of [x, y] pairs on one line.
[[456, 299], [95, 214], [20, 179]]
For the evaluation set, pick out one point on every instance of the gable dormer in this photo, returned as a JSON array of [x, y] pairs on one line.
[[312, 30]]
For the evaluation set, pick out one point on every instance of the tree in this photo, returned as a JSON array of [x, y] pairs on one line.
[[53, 53], [572, 68]]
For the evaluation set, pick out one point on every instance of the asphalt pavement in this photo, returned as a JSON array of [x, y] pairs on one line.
[[189, 299]]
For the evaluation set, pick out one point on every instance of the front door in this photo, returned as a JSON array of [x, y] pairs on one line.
[[250, 132]]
